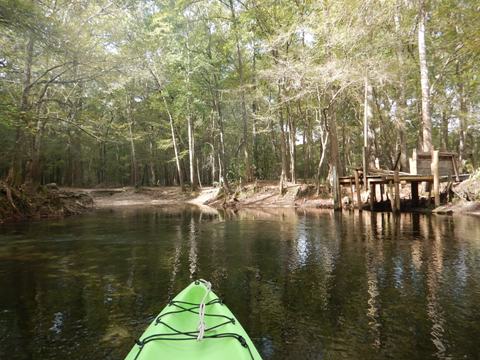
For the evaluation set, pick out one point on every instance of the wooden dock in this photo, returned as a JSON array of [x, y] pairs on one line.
[[443, 168]]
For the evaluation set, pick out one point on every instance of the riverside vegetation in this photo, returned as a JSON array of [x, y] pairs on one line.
[[191, 93]]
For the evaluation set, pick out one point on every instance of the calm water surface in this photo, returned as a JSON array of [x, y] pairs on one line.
[[314, 285]]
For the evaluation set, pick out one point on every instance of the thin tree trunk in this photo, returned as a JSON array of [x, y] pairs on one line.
[[248, 170], [172, 132], [304, 153], [424, 81], [153, 177], [198, 175], [77, 169], [222, 158], [334, 161], [324, 141], [254, 112], [191, 152], [175, 146], [444, 125], [367, 114], [34, 173], [400, 111], [190, 125], [15, 176], [291, 145], [222, 178], [133, 155], [461, 119], [222, 161], [283, 150]]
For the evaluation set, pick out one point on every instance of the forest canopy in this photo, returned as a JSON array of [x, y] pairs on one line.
[[163, 92]]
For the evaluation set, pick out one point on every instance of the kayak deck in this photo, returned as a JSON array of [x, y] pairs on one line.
[[173, 333]]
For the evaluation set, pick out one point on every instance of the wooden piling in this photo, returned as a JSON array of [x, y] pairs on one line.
[[413, 162], [455, 169], [352, 196], [357, 189], [390, 195], [337, 200], [436, 178], [372, 195], [396, 181], [414, 185]]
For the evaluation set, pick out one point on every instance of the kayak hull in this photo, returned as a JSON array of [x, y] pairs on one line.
[[173, 333]]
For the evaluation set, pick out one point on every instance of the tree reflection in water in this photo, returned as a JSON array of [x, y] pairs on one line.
[[305, 284]]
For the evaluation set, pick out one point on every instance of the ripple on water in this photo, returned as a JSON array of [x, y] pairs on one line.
[[317, 285]]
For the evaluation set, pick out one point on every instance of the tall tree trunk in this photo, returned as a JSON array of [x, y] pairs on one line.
[[153, 176], [222, 158], [216, 100], [254, 112], [424, 81], [15, 176], [248, 170], [175, 146], [33, 177], [190, 125], [334, 160], [461, 119], [400, 111], [462, 129], [367, 115], [444, 137], [103, 162], [172, 131], [283, 147], [191, 152], [74, 176], [322, 119], [291, 145], [134, 165]]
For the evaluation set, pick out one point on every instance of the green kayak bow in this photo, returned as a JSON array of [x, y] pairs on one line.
[[194, 325]]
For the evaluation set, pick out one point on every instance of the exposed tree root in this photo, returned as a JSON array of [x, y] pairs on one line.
[[20, 204]]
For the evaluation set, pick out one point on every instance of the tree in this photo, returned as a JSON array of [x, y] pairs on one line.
[[425, 83]]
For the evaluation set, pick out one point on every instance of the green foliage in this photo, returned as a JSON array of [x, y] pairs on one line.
[[105, 78]]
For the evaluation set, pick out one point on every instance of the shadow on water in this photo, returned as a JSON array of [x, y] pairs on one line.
[[305, 285]]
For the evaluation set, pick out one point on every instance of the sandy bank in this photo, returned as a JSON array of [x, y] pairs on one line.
[[459, 207], [264, 194]]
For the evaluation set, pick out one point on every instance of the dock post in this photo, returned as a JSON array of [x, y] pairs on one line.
[[390, 195], [337, 195], [414, 185], [413, 162], [352, 195], [436, 177], [357, 189], [372, 195], [455, 168], [449, 187], [396, 181]]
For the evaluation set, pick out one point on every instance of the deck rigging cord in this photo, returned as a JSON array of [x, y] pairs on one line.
[[202, 307], [202, 331]]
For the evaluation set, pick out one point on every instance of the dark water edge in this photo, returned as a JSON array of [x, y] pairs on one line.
[[305, 285]]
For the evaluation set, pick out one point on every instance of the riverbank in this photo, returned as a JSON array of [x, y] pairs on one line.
[[131, 196], [467, 198], [267, 194], [50, 201], [17, 204], [258, 194]]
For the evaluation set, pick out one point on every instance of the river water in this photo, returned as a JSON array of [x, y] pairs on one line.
[[314, 285]]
